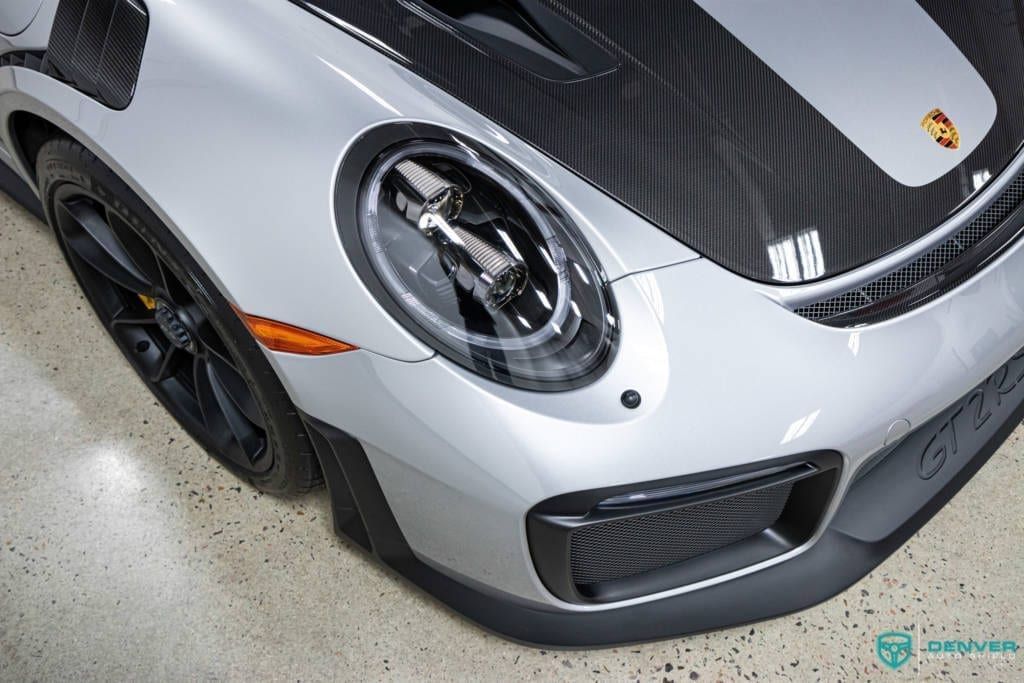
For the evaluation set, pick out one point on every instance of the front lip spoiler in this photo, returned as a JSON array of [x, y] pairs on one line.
[[881, 510]]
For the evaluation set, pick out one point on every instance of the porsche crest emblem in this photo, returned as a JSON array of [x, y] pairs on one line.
[[941, 129]]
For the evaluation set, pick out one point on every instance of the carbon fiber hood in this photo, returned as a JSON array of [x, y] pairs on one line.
[[696, 133]]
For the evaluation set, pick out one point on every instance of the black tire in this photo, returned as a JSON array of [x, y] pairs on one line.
[[198, 336]]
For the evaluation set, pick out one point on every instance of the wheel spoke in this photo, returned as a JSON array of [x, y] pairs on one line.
[[87, 234], [171, 286], [223, 418], [207, 335], [140, 253], [237, 390], [121, 321], [204, 394], [167, 366], [221, 356], [243, 430], [208, 404]]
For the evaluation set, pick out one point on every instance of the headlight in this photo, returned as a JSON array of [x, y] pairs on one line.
[[486, 268]]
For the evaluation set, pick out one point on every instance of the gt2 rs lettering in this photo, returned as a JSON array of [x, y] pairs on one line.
[[973, 415]]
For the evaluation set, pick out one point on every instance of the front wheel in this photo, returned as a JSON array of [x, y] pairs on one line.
[[178, 332]]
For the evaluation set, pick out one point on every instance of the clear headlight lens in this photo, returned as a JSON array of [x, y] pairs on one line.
[[486, 266]]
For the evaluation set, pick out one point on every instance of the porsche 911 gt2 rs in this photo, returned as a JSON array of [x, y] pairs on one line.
[[601, 322]]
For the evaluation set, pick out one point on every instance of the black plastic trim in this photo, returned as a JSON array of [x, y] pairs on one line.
[[17, 189], [884, 509], [668, 494]]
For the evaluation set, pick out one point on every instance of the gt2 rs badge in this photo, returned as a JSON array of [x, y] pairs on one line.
[[941, 129]]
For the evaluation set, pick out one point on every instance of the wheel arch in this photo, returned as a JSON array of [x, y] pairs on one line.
[[29, 122], [28, 133]]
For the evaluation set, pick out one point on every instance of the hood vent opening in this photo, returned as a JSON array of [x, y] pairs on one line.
[[525, 32]]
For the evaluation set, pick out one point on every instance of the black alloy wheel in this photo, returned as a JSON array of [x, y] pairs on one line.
[[161, 328], [179, 334]]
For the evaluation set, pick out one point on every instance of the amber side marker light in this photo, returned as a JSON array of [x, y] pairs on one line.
[[278, 336]]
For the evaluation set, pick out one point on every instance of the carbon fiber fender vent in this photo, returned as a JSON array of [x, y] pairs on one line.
[[97, 45], [932, 274]]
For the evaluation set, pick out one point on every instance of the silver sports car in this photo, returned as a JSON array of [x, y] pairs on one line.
[[600, 321]]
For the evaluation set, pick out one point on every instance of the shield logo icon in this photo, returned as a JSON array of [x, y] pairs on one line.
[[894, 648], [941, 128]]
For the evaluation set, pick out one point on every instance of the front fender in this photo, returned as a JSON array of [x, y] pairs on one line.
[[234, 137]]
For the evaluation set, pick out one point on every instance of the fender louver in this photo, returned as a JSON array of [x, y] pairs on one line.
[[96, 46], [22, 58]]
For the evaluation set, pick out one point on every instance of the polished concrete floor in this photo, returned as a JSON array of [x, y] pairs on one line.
[[125, 553]]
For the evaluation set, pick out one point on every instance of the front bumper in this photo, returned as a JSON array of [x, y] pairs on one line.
[[891, 497], [728, 378]]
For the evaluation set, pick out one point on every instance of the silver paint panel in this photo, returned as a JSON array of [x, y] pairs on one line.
[[873, 69], [16, 15], [36, 34]]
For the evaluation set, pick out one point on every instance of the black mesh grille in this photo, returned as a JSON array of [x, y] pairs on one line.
[[97, 45], [939, 259], [634, 545]]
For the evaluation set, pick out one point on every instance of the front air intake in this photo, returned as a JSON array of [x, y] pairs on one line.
[[634, 545], [615, 544]]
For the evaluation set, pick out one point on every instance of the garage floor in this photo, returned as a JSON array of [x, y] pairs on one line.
[[126, 553]]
